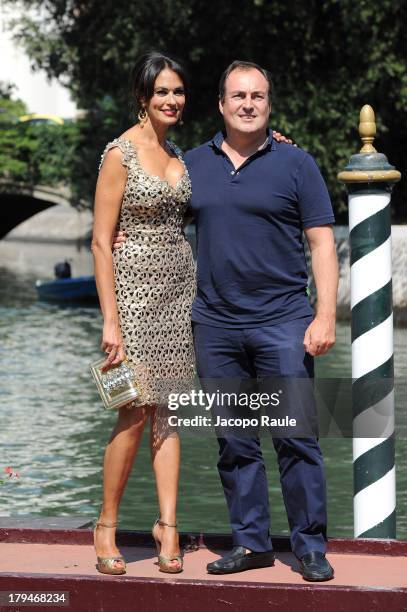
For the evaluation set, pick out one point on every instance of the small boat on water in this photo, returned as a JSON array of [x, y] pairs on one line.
[[65, 288], [79, 289]]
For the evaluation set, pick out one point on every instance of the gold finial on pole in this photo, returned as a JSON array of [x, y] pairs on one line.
[[368, 166], [367, 129]]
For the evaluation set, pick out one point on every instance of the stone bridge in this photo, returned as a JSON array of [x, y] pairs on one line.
[[18, 202]]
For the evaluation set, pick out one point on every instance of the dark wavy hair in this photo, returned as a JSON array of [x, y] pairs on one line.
[[240, 65], [145, 72]]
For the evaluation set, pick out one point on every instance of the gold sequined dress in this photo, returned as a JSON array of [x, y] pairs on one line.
[[155, 278]]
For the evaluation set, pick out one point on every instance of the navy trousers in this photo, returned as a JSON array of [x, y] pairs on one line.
[[260, 352]]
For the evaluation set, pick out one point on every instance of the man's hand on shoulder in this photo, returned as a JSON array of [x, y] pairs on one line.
[[320, 335]]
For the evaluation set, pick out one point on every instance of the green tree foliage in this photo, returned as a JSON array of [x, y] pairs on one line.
[[10, 108], [38, 154], [327, 58], [34, 153]]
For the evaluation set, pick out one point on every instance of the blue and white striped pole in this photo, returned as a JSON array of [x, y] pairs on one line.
[[369, 179]]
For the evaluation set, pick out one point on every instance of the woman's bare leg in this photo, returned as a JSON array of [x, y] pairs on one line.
[[118, 461], [165, 456]]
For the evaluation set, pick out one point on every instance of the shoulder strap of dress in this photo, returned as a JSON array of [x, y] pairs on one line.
[[125, 146]]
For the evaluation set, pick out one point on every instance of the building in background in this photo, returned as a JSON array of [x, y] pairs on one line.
[[39, 93]]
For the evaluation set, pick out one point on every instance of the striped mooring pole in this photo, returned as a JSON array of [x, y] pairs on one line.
[[369, 179]]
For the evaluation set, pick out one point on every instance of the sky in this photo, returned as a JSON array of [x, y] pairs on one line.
[[40, 95]]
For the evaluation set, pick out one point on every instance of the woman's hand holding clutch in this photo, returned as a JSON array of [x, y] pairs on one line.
[[112, 345]]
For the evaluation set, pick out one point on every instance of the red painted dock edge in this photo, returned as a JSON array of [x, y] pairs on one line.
[[108, 594], [147, 595]]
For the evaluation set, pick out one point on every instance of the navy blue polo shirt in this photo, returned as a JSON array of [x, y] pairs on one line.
[[251, 267]]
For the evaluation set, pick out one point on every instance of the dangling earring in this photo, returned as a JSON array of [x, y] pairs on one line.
[[180, 122], [142, 116]]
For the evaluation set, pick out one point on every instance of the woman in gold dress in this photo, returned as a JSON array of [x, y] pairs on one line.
[[145, 290]]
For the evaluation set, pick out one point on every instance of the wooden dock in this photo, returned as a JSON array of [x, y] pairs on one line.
[[370, 575]]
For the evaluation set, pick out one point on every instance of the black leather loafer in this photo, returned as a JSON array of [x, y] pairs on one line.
[[237, 560], [315, 567]]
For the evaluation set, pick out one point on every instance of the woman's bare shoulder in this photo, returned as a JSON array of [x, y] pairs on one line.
[[112, 155], [116, 158], [133, 135]]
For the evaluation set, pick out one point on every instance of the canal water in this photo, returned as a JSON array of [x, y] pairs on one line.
[[53, 429]]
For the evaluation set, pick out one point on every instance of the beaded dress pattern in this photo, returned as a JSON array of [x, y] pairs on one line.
[[155, 278]]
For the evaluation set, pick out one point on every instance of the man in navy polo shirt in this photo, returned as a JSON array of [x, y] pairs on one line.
[[252, 198]]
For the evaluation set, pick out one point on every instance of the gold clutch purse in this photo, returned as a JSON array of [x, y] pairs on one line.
[[118, 385]]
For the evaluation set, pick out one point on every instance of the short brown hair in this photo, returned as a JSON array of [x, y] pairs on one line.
[[240, 65]]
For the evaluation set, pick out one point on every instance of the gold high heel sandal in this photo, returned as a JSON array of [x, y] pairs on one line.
[[105, 565], [164, 563]]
